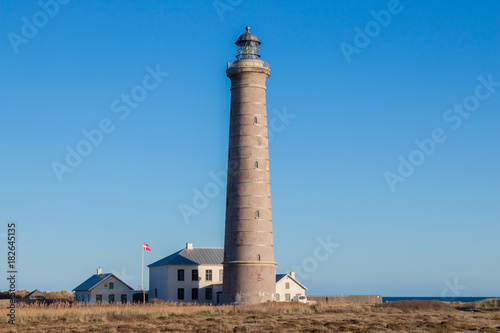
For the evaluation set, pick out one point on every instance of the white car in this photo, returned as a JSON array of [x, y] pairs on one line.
[[300, 299]]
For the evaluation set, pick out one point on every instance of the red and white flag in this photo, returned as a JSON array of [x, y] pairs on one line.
[[145, 247]]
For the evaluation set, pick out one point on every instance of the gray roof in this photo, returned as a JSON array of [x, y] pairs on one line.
[[94, 280], [197, 256], [281, 276], [35, 293], [247, 37]]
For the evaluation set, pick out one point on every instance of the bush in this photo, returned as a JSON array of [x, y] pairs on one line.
[[490, 304], [416, 305]]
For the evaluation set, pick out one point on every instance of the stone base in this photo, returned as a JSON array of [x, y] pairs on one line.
[[249, 283]]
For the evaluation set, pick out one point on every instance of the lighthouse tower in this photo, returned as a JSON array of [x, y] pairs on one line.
[[249, 267]]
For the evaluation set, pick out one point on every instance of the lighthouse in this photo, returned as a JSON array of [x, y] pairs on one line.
[[249, 266]]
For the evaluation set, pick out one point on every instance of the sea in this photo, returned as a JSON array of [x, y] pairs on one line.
[[442, 299]]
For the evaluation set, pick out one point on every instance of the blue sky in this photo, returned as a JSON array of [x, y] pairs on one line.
[[353, 86]]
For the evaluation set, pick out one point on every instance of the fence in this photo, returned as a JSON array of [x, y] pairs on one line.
[[356, 299]]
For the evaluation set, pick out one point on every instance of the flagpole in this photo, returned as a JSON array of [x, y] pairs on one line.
[[142, 269]]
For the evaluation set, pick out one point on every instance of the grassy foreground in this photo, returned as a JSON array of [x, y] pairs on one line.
[[402, 316]]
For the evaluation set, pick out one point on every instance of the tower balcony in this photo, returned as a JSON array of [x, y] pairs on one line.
[[248, 63]]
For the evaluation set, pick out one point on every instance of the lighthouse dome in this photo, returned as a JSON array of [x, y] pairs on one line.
[[247, 37]]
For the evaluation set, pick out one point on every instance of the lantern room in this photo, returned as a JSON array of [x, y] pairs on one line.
[[248, 46]]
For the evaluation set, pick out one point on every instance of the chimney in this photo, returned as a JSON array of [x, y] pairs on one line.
[[189, 246], [292, 274], [99, 271]]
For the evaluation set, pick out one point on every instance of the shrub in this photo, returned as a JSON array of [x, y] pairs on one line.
[[416, 305]]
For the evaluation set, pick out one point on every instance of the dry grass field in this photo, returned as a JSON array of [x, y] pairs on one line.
[[402, 316]]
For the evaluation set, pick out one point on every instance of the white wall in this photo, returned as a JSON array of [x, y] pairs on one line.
[[164, 279], [158, 281], [294, 289]]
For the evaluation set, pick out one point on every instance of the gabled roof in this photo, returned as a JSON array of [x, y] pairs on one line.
[[196, 256], [35, 293], [279, 277], [96, 279]]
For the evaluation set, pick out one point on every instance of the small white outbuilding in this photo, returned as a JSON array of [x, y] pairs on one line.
[[104, 288], [287, 287]]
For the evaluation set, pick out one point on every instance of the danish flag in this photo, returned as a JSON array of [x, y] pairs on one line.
[[145, 247]]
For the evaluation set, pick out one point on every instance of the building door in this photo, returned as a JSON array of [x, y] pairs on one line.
[[218, 298]]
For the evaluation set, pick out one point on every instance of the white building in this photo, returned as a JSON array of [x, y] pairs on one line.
[[189, 275], [195, 275], [104, 288], [287, 287]]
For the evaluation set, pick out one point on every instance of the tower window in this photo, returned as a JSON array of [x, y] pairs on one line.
[[256, 164], [257, 214], [255, 120], [258, 257]]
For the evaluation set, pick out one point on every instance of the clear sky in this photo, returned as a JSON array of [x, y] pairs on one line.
[[385, 138]]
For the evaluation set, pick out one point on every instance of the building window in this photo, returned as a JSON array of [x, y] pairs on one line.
[[194, 293], [98, 298], [256, 164], [180, 293], [258, 257], [287, 297], [208, 275], [255, 120], [111, 298], [124, 298], [221, 272], [156, 292], [194, 275], [287, 285], [208, 293], [257, 214], [111, 285], [180, 275], [277, 297]]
